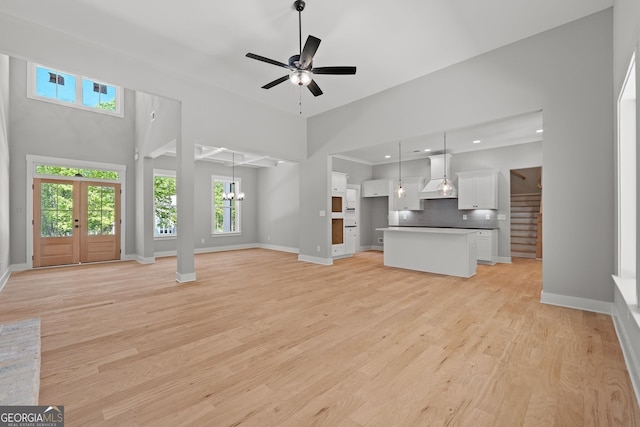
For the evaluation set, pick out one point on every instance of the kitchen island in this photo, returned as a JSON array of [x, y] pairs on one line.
[[450, 251]]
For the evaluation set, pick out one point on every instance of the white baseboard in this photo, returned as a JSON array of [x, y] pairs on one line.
[[504, 259], [225, 248], [278, 248], [145, 260], [577, 303], [129, 257], [315, 260], [184, 278], [4, 278], [626, 319]]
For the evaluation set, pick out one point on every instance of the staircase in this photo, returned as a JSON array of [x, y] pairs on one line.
[[524, 225]]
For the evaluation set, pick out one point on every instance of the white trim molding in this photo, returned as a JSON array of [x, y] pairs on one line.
[[185, 278], [576, 302], [4, 278], [145, 260], [278, 248], [315, 260], [626, 319]]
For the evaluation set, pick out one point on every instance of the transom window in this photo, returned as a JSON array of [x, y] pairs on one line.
[[53, 170], [59, 87], [226, 213]]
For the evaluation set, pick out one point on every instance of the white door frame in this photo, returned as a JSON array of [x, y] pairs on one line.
[[32, 161]]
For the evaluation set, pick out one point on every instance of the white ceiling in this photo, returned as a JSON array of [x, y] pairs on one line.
[[389, 42], [520, 129]]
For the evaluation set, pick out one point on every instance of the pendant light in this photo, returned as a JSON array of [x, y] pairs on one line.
[[446, 187], [400, 191], [231, 195]]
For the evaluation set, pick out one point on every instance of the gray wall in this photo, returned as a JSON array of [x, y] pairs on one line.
[[564, 72], [46, 129], [5, 209], [202, 209], [278, 198]]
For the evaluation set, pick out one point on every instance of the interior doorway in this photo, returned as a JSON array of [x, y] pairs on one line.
[[526, 212], [75, 221]]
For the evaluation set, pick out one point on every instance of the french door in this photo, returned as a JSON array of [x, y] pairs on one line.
[[75, 221]]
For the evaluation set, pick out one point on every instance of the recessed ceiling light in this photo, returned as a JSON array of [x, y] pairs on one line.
[[539, 131], [477, 141], [387, 157], [427, 149]]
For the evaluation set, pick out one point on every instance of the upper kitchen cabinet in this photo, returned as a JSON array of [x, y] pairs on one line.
[[375, 188], [338, 182], [411, 201], [478, 190]]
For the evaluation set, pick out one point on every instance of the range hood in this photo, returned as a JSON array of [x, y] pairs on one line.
[[438, 163]]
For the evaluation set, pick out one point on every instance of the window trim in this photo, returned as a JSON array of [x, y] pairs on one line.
[[237, 207], [78, 103], [170, 174]]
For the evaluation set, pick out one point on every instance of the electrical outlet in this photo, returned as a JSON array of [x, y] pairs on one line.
[[464, 217], [202, 241], [487, 217], [318, 248], [322, 213], [268, 237], [380, 240]]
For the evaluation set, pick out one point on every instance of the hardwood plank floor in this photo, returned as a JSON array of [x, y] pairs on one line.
[[261, 339]]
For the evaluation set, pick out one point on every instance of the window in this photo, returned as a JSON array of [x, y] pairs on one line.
[[226, 213], [627, 177], [52, 170], [165, 204], [48, 84]]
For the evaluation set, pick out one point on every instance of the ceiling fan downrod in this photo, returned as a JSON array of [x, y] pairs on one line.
[[299, 6]]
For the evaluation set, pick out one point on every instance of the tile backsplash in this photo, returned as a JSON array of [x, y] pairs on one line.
[[445, 213]]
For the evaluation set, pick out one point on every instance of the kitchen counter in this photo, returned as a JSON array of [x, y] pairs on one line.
[[450, 251]]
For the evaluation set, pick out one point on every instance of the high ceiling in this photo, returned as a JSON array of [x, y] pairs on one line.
[[389, 42], [520, 129]]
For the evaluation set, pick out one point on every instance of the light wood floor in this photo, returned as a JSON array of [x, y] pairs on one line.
[[264, 340]]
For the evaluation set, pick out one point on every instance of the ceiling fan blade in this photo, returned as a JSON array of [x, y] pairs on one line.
[[310, 48], [314, 88], [276, 82], [268, 61], [334, 70]]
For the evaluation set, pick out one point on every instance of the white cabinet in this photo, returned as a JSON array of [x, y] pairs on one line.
[[487, 246], [375, 188], [350, 238], [478, 190], [338, 182], [411, 201]]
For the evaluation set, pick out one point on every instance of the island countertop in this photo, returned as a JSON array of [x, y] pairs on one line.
[[449, 251], [431, 230]]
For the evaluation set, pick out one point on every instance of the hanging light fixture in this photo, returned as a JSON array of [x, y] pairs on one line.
[[446, 187], [400, 191], [231, 195]]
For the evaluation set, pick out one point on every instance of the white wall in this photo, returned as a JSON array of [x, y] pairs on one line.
[[5, 231], [565, 72]]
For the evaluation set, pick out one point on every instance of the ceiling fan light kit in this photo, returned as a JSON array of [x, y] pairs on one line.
[[301, 65]]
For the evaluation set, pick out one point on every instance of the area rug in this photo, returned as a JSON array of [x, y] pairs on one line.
[[20, 362]]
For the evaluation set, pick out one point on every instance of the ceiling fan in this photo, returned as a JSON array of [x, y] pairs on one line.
[[301, 65]]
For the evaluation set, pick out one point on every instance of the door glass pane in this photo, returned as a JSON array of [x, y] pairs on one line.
[[56, 210], [100, 210]]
